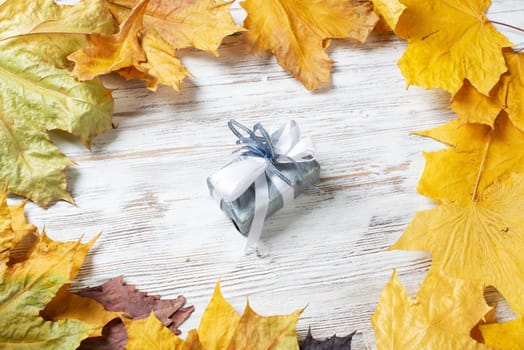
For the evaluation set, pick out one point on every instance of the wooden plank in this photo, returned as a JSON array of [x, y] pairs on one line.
[[144, 185]]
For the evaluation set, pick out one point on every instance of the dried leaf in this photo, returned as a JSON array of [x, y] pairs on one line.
[[7, 235], [389, 10], [451, 174], [21, 228], [66, 305], [14, 229], [218, 322], [504, 336], [489, 317], [201, 24], [192, 341], [221, 328], [480, 242], [38, 94], [440, 316], [298, 32], [258, 332], [26, 287], [116, 296], [150, 333], [108, 53], [114, 337], [332, 343], [150, 33], [473, 107], [162, 66], [450, 41], [45, 16]]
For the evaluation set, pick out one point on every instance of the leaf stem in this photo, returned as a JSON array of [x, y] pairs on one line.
[[481, 167], [507, 25]]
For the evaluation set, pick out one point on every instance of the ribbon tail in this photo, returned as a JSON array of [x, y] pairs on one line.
[[261, 207], [287, 192]]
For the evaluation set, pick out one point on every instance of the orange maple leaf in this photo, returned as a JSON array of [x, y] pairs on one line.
[[108, 53], [299, 32], [150, 33]]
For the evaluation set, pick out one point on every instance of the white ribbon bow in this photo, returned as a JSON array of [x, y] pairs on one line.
[[256, 165]]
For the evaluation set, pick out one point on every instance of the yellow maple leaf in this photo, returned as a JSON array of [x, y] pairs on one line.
[[27, 286], [161, 67], [489, 317], [218, 322], [450, 41], [504, 336], [481, 241], [36, 309], [6, 232], [66, 305], [19, 224], [14, 229], [192, 342], [451, 174], [390, 12], [298, 32], [258, 332], [473, 107], [108, 53], [150, 333], [440, 316]]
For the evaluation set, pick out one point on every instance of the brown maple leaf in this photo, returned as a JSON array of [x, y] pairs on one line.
[[115, 295]]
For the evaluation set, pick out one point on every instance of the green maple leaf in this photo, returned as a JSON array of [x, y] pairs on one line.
[[27, 286], [38, 94]]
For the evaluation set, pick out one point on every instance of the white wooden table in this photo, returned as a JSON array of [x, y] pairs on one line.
[[144, 184]]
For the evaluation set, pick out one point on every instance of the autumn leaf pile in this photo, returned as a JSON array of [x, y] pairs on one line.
[[221, 328], [38, 312], [475, 235]]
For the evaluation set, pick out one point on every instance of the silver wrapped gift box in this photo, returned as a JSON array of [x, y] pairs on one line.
[[242, 210], [282, 157]]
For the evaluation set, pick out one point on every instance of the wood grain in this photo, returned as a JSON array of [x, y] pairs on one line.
[[144, 185]]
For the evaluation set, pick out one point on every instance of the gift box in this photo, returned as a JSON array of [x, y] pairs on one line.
[[268, 173]]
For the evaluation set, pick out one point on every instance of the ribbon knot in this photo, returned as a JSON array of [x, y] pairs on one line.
[[258, 146], [259, 153]]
